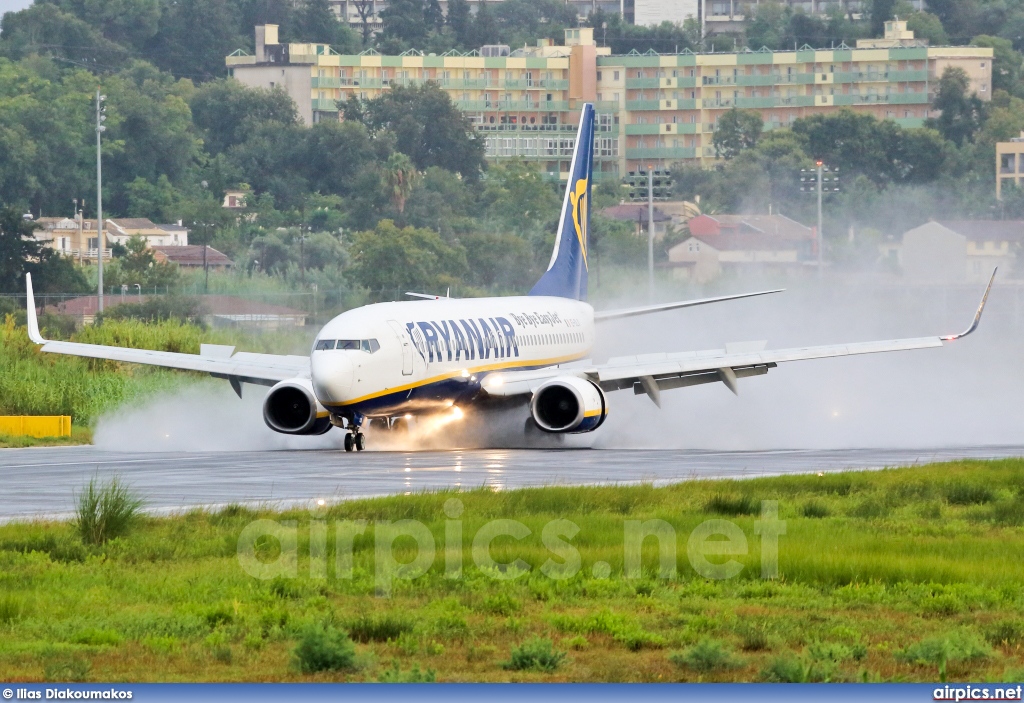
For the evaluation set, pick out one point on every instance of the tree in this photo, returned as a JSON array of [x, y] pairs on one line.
[[927, 26], [768, 26], [225, 111], [427, 127], [961, 115], [735, 131], [881, 12], [399, 174], [405, 23], [460, 20], [364, 8], [390, 260], [20, 253]]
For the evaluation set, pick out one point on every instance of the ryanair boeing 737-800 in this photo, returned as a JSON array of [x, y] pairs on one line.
[[391, 361]]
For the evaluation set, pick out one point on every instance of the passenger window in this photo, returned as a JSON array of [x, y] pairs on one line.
[[325, 344]]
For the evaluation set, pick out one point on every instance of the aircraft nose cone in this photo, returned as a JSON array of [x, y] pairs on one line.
[[331, 375]]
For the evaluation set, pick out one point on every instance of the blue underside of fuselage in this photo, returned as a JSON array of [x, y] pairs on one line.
[[425, 398]]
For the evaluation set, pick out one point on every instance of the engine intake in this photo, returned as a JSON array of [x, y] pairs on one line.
[[291, 408], [568, 404]]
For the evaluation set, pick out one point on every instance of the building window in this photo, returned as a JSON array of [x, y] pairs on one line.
[[599, 75], [615, 75]]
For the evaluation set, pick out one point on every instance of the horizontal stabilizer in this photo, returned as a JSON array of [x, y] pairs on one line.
[[661, 307]]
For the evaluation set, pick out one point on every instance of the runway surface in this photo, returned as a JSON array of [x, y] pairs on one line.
[[41, 481]]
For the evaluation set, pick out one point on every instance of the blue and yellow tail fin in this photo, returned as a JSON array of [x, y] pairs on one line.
[[566, 276]]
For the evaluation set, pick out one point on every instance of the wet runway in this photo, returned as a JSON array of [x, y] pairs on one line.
[[41, 481]]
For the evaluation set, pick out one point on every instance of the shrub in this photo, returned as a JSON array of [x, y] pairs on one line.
[[786, 669], [11, 610], [962, 493], [538, 654], [450, 626], [815, 509], [732, 505], [946, 649], [66, 668], [414, 675], [325, 649], [378, 628], [1005, 632], [707, 655], [106, 511], [97, 637], [501, 604]]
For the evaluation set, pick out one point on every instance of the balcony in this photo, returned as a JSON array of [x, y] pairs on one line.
[[326, 82], [641, 83], [531, 84], [662, 152], [881, 99], [643, 105], [880, 76], [512, 105], [325, 104]]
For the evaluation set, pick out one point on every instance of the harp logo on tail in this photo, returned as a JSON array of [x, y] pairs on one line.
[[578, 198]]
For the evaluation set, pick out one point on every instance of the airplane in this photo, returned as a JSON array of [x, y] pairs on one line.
[[382, 364]]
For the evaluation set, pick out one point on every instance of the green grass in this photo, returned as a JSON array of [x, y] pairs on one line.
[[884, 579]]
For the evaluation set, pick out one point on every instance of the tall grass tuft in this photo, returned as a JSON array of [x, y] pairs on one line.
[[732, 505], [963, 493], [106, 511], [379, 628]]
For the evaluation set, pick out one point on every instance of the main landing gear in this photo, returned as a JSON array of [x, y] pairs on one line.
[[355, 440]]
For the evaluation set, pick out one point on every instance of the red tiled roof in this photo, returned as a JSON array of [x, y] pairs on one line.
[[777, 225], [748, 241], [192, 255]]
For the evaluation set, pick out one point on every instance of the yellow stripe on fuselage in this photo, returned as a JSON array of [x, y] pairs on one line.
[[458, 372]]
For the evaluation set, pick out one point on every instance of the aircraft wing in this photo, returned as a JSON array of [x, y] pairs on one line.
[[602, 315], [652, 373], [219, 361]]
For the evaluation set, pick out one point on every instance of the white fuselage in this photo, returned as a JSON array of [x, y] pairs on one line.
[[389, 359]]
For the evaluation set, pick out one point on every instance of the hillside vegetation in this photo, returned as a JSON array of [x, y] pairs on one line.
[[898, 575]]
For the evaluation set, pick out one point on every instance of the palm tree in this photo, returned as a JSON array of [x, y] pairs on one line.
[[400, 174]]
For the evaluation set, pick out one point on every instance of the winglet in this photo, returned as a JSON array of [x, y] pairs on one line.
[[33, 323], [977, 315]]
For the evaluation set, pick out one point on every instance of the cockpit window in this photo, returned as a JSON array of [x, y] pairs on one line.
[[366, 345]]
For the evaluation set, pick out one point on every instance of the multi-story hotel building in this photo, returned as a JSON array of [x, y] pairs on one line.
[[652, 108]]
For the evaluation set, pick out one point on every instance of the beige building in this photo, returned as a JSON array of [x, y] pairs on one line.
[[652, 109], [1009, 163], [77, 237], [961, 251]]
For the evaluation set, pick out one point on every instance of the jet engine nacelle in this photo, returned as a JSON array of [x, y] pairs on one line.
[[568, 404], [291, 408]]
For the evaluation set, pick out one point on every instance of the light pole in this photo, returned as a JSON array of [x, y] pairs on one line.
[[650, 233], [819, 184], [100, 129]]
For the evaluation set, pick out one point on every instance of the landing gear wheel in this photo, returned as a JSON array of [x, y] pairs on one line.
[[360, 441], [349, 444]]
